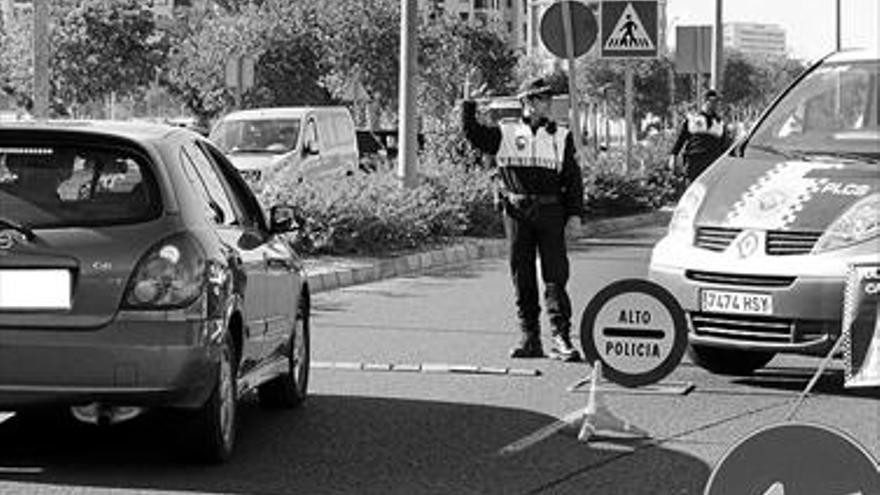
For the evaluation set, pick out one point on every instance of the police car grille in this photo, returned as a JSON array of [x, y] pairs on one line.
[[740, 279], [781, 243], [715, 238], [746, 328]]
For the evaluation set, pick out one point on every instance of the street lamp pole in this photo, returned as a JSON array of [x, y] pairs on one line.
[[41, 59], [718, 46], [407, 132], [838, 34]]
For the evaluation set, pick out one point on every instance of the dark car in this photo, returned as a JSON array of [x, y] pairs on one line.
[[137, 271]]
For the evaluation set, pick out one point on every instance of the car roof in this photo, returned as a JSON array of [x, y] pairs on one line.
[[290, 112], [855, 55], [138, 131]]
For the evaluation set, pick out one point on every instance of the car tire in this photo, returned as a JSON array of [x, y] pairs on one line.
[[215, 422], [724, 361], [290, 390]]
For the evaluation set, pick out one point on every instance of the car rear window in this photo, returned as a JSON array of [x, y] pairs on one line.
[[75, 185]]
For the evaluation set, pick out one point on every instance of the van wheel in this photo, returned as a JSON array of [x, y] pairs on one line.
[[290, 389], [732, 362], [215, 421]]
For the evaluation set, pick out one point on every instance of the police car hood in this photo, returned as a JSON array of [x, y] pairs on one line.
[[783, 195]]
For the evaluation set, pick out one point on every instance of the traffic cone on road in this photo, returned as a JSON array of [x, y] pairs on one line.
[[598, 418]]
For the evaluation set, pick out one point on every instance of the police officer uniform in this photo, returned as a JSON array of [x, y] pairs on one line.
[[702, 137], [541, 188]]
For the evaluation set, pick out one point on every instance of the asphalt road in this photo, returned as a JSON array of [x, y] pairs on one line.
[[413, 392]]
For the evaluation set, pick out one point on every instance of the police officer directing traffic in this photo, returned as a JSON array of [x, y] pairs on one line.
[[542, 199], [702, 136]]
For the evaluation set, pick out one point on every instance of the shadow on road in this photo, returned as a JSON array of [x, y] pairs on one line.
[[355, 445]]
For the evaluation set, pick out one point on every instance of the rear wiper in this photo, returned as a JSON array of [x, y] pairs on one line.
[[18, 227]]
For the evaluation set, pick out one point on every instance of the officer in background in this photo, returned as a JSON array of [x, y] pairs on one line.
[[542, 198], [703, 137]]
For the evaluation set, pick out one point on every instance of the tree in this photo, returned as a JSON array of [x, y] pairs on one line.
[[450, 49], [105, 46]]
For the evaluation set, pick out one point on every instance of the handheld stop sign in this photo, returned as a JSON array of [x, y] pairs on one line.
[[638, 331]]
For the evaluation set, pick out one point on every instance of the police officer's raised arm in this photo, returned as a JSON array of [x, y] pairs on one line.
[[485, 138]]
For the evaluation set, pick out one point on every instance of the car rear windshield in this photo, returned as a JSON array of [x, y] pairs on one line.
[[832, 111], [75, 185], [256, 136]]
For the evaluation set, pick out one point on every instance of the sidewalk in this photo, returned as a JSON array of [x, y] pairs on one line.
[[330, 272]]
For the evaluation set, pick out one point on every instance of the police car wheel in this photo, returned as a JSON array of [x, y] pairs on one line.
[[723, 361]]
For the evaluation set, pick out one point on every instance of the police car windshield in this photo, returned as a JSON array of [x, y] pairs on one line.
[[832, 112], [256, 136]]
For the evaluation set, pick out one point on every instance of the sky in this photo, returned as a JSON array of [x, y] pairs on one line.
[[809, 24]]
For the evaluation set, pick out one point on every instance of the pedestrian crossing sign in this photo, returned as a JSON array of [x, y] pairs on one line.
[[629, 29]]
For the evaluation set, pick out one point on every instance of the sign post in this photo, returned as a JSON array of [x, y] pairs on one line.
[[568, 30], [629, 30]]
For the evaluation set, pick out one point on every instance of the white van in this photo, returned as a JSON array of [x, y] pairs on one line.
[[288, 143]]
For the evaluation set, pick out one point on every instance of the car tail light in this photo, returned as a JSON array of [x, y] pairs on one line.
[[170, 275], [861, 222]]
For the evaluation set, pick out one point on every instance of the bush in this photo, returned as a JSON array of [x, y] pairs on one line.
[[372, 214], [649, 184]]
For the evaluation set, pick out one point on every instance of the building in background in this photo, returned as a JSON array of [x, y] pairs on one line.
[[755, 38]]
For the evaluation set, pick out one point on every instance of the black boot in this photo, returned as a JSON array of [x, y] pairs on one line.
[[529, 346], [564, 350]]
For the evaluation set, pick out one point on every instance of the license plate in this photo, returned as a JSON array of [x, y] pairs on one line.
[[35, 289], [748, 303]]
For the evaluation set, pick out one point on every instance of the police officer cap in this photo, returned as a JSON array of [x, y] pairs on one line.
[[536, 87]]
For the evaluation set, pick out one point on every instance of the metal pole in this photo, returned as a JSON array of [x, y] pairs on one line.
[[718, 46], [41, 59], [629, 116], [407, 154], [573, 104], [838, 31]]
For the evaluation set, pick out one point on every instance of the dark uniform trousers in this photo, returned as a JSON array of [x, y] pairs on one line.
[[537, 228]]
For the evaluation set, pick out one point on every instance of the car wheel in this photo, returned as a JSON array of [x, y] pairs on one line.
[[291, 389], [723, 361], [215, 422]]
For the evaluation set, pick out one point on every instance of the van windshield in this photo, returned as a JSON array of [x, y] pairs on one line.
[[256, 136], [832, 112], [74, 186]]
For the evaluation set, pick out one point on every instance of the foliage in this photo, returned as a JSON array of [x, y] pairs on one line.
[[105, 46], [649, 184], [750, 82], [373, 214]]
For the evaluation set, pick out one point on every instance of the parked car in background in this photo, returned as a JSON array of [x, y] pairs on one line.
[[759, 246], [137, 271], [288, 143]]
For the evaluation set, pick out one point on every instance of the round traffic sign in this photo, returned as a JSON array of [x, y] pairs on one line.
[[793, 458], [636, 329], [584, 28]]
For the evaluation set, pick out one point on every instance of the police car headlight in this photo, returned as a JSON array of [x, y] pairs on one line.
[[686, 210], [861, 222]]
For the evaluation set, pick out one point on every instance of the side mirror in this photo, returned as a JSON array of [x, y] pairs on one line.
[[282, 218], [309, 149]]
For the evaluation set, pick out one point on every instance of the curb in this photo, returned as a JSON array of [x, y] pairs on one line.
[[335, 275]]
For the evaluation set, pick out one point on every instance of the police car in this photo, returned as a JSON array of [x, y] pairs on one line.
[[759, 245]]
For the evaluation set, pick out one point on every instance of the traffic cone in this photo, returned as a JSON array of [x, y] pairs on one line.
[[598, 418]]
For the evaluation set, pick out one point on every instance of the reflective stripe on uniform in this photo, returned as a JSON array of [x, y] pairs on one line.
[[521, 148]]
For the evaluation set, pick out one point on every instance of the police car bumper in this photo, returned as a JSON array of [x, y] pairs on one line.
[[789, 304]]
